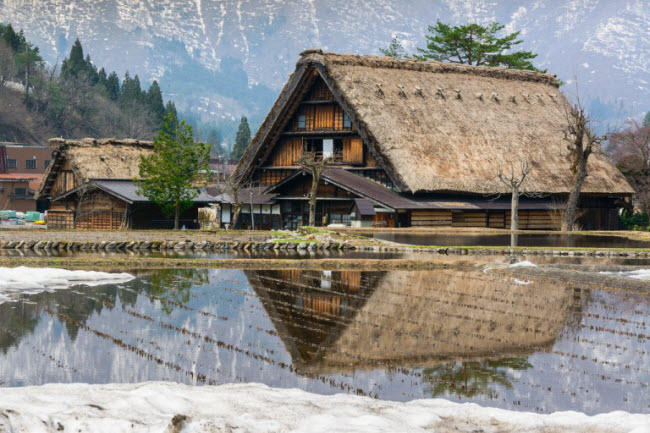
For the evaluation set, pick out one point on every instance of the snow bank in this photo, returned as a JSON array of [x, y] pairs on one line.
[[34, 280], [639, 274], [170, 407]]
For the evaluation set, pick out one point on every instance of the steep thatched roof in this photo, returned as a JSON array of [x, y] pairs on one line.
[[91, 158], [445, 127]]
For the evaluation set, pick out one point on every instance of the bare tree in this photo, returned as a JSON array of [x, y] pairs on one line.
[[7, 64], [315, 164], [630, 151], [513, 180], [581, 143]]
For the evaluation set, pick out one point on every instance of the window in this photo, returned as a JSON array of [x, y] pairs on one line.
[[30, 163], [328, 147], [12, 163], [302, 121], [46, 163], [347, 123], [20, 192]]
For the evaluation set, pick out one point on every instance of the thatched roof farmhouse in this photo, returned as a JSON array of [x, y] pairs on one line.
[[90, 184], [436, 134]]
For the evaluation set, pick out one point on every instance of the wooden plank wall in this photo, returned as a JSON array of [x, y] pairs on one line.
[[430, 218], [271, 177], [353, 150], [320, 92], [528, 219], [323, 117], [60, 219], [287, 153], [469, 219]]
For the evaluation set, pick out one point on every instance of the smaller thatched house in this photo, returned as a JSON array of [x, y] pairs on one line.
[[90, 186]]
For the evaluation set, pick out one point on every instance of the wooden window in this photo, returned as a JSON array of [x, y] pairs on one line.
[[302, 121], [347, 123], [20, 192], [30, 163], [12, 163]]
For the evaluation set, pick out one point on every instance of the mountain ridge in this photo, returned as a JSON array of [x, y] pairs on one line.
[[222, 59]]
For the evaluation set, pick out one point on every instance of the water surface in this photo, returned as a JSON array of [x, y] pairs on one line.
[[523, 240], [398, 335]]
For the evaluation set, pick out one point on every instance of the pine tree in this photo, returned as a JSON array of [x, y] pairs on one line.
[[169, 176], [170, 109], [242, 140], [12, 39], [155, 101], [101, 77], [113, 86], [75, 64], [395, 49], [646, 121], [474, 44]]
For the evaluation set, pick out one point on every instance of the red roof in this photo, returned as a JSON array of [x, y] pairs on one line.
[[33, 179]]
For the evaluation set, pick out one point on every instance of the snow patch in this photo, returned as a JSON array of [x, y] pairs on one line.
[[34, 280], [244, 408], [521, 282], [639, 274], [523, 264]]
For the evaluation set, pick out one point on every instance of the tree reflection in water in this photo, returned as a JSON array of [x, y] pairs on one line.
[[176, 285], [473, 379]]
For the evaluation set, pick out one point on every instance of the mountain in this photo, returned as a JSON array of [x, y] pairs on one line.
[[222, 59]]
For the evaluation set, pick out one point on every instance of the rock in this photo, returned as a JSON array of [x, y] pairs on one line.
[[291, 245], [111, 246], [155, 245], [179, 246], [302, 246], [144, 245], [199, 245]]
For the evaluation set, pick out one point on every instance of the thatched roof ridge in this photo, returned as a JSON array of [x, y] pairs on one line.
[[90, 158], [58, 143], [318, 56]]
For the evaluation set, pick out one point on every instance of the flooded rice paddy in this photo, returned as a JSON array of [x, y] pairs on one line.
[[532, 345], [523, 240]]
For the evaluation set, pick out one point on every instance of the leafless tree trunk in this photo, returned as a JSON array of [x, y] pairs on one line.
[[310, 161], [514, 182], [582, 142], [630, 151]]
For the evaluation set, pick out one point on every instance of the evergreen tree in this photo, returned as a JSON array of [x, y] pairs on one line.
[[169, 176], [101, 77], [242, 140], [646, 121], [395, 49], [155, 101], [113, 86], [131, 92], [474, 44], [170, 110], [75, 64], [91, 71], [12, 39], [214, 140]]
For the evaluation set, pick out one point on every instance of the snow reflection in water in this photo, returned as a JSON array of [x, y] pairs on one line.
[[397, 335]]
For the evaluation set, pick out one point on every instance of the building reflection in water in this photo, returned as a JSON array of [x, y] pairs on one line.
[[467, 332]]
